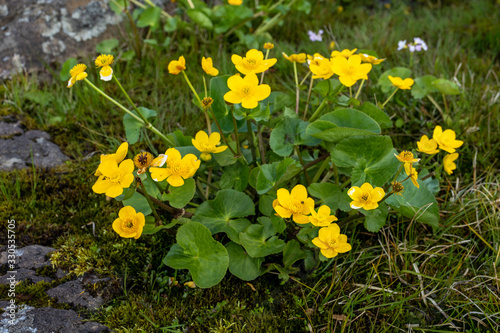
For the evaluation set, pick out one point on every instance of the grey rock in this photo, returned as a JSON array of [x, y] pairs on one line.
[[29, 257], [17, 148], [22, 275], [60, 273], [8, 130], [72, 293], [34, 32], [46, 320]]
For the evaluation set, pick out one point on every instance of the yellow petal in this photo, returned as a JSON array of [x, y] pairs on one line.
[[127, 211], [282, 212], [300, 219], [232, 97], [214, 139], [109, 167], [126, 166], [299, 192], [175, 180], [114, 191], [284, 197], [329, 252], [101, 185], [173, 155]]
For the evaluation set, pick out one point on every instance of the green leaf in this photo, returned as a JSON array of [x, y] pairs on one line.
[[278, 224], [259, 240], [226, 157], [252, 180], [241, 264], [66, 67], [271, 175], [328, 192], [200, 18], [386, 84], [150, 228], [328, 87], [423, 86], [260, 113], [229, 16], [290, 132], [107, 46], [282, 100], [235, 176], [128, 55], [446, 87], [225, 212], [118, 7], [370, 158], [43, 98], [179, 197], [376, 218], [266, 204], [292, 252], [150, 17], [376, 114], [171, 24], [133, 126], [206, 259], [418, 203], [139, 203], [343, 123]]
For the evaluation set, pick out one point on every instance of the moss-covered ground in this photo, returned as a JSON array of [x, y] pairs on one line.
[[405, 278]]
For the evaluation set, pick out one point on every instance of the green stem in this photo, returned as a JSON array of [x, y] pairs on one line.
[[192, 88], [318, 111], [297, 151], [205, 85], [297, 90], [251, 140], [436, 105], [389, 98], [134, 28], [130, 100], [261, 144], [308, 98], [322, 168], [153, 208], [222, 133], [445, 104], [142, 121], [235, 125], [359, 89]]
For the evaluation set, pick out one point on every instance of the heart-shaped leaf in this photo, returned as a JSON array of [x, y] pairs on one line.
[[241, 264], [259, 240], [205, 258]]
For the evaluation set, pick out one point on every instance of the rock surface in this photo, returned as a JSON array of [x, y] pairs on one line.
[[46, 320], [29, 257], [17, 147], [72, 293], [34, 32]]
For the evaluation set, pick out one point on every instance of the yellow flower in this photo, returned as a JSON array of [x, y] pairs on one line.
[[252, 63], [246, 91], [191, 284], [340, 9], [301, 57], [344, 53], [427, 146], [332, 44], [448, 164], [446, 140], [208, 67], [410, 171], [350, 70], [365, 196], [159, 161], [235, 2], [406, 157], [177, 168], [142, 161], [129, 223], [114, 178], [206, 102], [370, 59], [322, 218], [105, 61], [314, 59], [331, 242], [269, 46], [321, 69], [400, 83], [77, 73], [119, 156], [295, 204], [207, 145], [397, 188], [177, 66]]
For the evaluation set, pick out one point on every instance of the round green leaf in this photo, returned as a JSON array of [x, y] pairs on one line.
[[235, 176], [241, 264], [224, 213], [446, 87], [369, 158], [423, 86], [259, 240], [343, 123], [290, 132], [196, 250], [376, 114], [178, 197]]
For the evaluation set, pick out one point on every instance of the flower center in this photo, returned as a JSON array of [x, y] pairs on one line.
[[408, 155], [250, 63], [129, 223], [365, 196], [246, 90], [349, 71]]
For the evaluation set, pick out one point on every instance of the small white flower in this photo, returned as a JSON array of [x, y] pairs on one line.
[[401, 45], [315, 37]]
